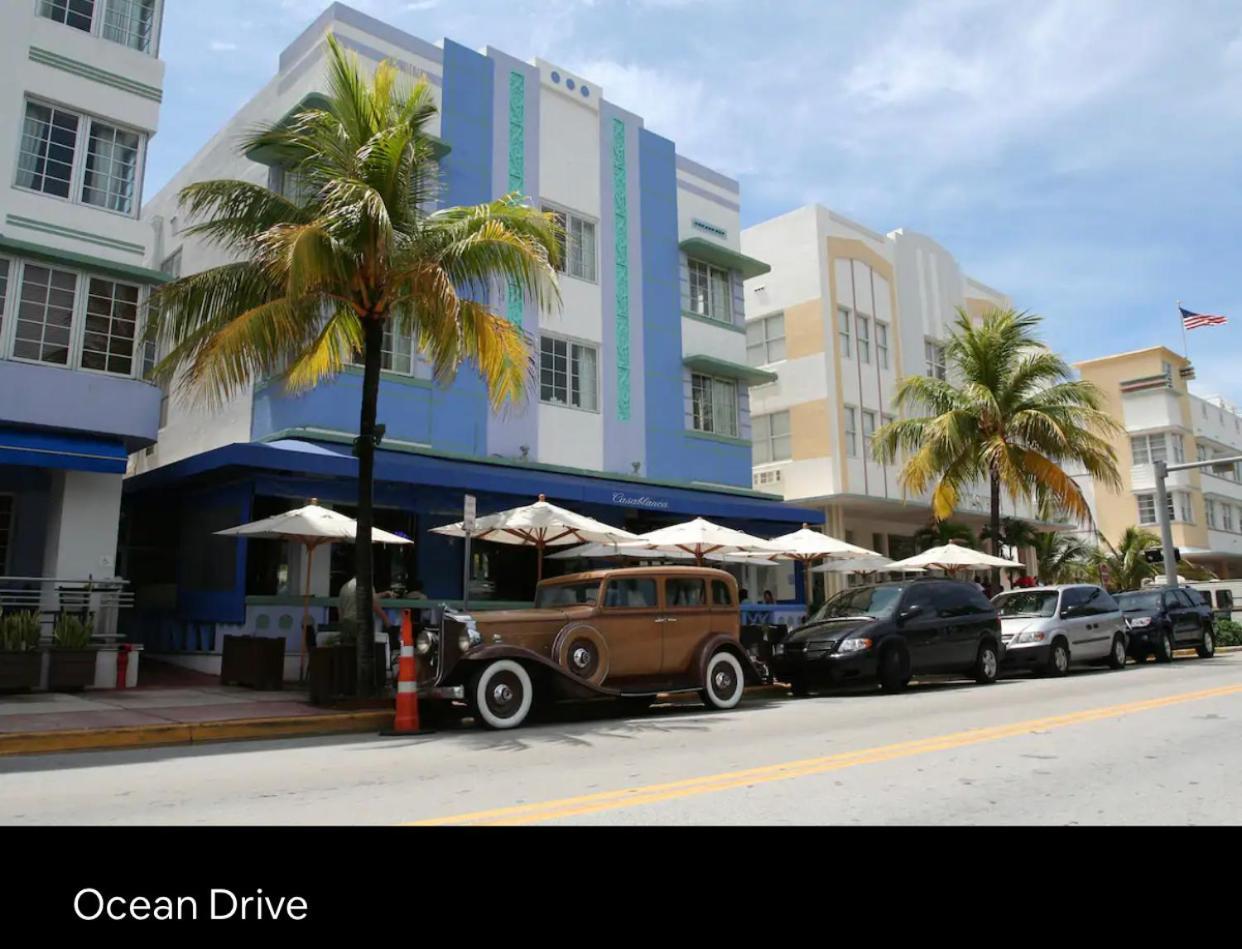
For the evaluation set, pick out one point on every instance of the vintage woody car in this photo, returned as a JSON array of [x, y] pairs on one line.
[[627, 634]]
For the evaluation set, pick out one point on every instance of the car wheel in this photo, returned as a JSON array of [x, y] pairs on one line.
[[1165, 653], [1117, 656], [1207, 645], [987, 665], [723, 682], [501, 694], [894, 669], [1058, 659]]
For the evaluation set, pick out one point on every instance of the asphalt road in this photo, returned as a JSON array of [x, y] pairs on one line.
[[1150, 744]]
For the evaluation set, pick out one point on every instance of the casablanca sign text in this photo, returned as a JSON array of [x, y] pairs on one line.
[[630, 500]]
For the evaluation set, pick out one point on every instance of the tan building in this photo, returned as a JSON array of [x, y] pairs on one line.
[[844, 314], [1148, 395]]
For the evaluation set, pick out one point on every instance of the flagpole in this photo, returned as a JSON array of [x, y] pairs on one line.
[[1181, 319]]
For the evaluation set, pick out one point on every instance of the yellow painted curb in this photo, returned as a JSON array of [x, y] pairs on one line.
[[146, 736]]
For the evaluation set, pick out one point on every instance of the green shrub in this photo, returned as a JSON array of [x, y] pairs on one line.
[[1228, 633], [71, 632], [19, 632]]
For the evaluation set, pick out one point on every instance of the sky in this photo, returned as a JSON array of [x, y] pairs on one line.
[[1083, 157]]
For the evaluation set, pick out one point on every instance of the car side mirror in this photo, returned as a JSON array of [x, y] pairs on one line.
[[910, 612], [1071, 611]]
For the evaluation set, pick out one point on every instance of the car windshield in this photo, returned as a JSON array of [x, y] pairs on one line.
[[1027, 603], [867, 601], [1133, 602], [555, 595]]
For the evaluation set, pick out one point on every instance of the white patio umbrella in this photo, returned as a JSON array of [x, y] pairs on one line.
[[311, 526], [805, 546], [863, 565], [608, 551], [952, 557], [538, 525], [699, 538]]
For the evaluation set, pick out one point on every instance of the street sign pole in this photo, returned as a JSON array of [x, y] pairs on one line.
[[469, 512], [1166, 526]]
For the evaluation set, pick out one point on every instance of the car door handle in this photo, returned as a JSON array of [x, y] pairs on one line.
[[666, 619]]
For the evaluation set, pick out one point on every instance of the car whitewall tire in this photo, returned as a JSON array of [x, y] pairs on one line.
[[501, 694], [724, 681]]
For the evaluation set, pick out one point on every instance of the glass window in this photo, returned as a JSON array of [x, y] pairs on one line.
[[765, 340], [1179, 448], [1183, 505], [6, 530], [111, 327], [873, 601], [1170, 600], [720, 594], [634, 593], [1202, 452], [934, 354], [4, 291], [1210, 510], [881, 344], [863, 326], [568, 373], [843, 316], [75, 13], [130, 23], [714, 405], [577, 244], [685, 592], [111, 168], [851, 433], [770, 435], [552, 595], [710, 292], [49, 140], [868, 420], [45, 315], [1224, 598], [1027, 603], [1148, 449]]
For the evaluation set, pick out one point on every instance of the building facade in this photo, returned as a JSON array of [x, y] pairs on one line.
[[1148, 394], [641, 411], [82, 86], [843, 316]]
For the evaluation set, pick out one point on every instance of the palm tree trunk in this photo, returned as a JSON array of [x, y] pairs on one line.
[[996, 528], [363, 560]]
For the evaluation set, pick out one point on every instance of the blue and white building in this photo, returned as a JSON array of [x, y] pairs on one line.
[[641, 413], [80, 90]]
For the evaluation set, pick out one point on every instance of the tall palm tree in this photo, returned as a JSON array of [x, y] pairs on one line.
[[1010, 414], [1124, 561], [317, 279], [1015, 534], [940, 533], [1061, 557]]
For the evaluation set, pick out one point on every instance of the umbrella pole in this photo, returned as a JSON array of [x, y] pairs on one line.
[[310, 557], [539, 571]]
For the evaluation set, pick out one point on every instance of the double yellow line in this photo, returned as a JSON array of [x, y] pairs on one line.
[[710, 784]]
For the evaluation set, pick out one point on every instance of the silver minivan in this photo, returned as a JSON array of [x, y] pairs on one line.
[[1046, 629]]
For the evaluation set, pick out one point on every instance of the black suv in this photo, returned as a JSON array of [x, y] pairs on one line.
[[890, 632], [1160, 619]]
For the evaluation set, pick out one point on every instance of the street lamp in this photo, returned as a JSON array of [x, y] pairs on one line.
[[1162, 471]]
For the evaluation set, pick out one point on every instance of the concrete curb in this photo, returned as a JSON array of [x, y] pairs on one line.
[[147, 736]]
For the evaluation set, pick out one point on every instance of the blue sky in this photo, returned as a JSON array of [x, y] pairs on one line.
[[1085, 157]]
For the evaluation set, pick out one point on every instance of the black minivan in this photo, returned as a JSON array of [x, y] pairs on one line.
[[891, 632]]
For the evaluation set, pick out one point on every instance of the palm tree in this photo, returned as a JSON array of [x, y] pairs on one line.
[[1124, 562], [940, 533], [1012, 415], [1015, 534], [318, 279], [1061, 558]]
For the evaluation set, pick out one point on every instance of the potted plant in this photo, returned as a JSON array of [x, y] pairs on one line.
[[20, 659], [73, 660]]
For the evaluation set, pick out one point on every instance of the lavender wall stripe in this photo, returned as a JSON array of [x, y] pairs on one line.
[[622, 224]]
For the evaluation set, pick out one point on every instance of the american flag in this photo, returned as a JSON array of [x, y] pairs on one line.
[[1192, 321]]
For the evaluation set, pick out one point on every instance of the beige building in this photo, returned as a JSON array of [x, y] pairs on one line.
[[844, 314], [1147, 393]]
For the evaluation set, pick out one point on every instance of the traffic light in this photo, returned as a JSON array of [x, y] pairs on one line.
[[1156, 555]]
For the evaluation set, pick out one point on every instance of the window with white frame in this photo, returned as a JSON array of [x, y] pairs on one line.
[[710, 292], [1148, 449], [45, 315], [4, 291], [765, 340], [1226, 517], [862, 326], [111, 327], [577, 243], [131, 23], [1147, 507], [50, 159], [1179, 448], [843, 316], [398, 354], [714, 405], [934, 355], [851, 432], [6, 530], [771, 436], [881, 344], [1209, 510], [1184, 507], [568, 373], [1202, 452]]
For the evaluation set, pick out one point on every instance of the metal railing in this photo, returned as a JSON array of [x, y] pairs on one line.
[[96, 601]]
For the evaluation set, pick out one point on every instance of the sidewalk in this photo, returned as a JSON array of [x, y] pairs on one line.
[[165, 714]]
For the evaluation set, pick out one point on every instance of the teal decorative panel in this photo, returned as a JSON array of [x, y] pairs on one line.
[[517, 170], [621, 217]]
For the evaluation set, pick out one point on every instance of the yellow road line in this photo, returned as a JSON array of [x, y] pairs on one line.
[[709, 784]]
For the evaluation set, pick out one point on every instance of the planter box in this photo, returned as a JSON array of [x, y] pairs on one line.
[[254, 661], [71, 670], [20, 671], [333, 672]]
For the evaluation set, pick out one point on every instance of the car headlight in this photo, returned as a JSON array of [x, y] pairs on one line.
[[853, 645], [1139, 622], [425, 641], [1031, 636], [465, 641]]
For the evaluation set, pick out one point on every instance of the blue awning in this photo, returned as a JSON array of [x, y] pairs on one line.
[[40, 449]]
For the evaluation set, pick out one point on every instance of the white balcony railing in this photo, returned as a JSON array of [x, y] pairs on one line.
[[97, 601]]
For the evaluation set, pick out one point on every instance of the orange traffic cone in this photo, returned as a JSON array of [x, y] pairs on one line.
[[406, 722]]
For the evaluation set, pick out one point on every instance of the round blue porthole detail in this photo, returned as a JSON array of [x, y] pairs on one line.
[[556, 77], [569, 84], [585, 92]]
